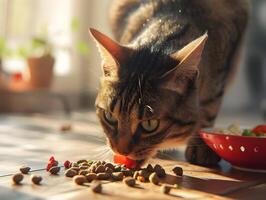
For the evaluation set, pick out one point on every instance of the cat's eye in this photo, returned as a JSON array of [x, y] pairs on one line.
[[151, 125], [109, 117]]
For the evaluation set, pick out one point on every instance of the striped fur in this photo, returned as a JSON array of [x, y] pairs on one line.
[[155, 29]]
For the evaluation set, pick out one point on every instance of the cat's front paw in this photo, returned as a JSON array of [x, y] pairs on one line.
[[197, 152]]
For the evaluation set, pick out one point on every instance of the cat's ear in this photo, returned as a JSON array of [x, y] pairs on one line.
[[188, 59], [112, 53], [190, 55]]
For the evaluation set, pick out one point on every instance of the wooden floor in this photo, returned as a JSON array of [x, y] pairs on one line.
[[33, 139]]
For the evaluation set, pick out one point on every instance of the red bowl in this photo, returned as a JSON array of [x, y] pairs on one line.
[[243, 152]]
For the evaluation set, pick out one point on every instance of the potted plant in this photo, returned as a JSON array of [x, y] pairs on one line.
[[40, 62]]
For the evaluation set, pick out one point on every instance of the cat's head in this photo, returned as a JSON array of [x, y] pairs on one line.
[[147, 100]]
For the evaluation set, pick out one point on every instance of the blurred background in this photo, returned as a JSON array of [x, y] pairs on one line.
[[48, 62]]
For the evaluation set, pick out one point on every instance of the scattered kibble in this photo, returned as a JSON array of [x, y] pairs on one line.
[[103, 176], [150, 168], [127, 172], [75, 168], [96, 187], [70, 173], [136, 174], [65, 127], [80, 179], [160, 172], [108, 170], [100, 169], [144, 173], [129, 181], [24, 169], [178, 171], [74, 164], [54, 170], [109, 165], [117, 176], [84, 171], [17, 178], [141, 178], [153, 178], [82, 161], [36, 179], [91, 176], [165, 189]]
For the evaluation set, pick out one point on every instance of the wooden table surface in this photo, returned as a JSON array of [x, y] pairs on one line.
[[31, 140]]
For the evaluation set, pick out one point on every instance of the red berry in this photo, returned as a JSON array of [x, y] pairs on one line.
[[67, 164], [125, 160], [51, 158], [49, 165]]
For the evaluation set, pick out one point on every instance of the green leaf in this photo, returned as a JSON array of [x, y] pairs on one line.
[[22, 52], [248, 132], [82, 48], [75, 24]]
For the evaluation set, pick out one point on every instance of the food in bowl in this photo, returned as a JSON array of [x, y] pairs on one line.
[[244, 148], [235, 129]]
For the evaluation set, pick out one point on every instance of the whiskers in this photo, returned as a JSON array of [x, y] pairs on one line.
[[101, 153]]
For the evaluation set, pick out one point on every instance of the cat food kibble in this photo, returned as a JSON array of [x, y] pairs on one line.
[[17, 178], [165, 189], [75, 168], [54, 170], [24, 169], [150, 168], [82, 161], [141, 178], [127, 172], [96, 187], [129, 181], [103, 176], [108, 170], [159, 171], [65, 127], [80, 179], [117, 176], [36, 179], [153, 178], [178, 171], [83, 172], [74, 164], [70, 173], [100, 169], [92, 172], [144, 173], [136, 174], [109, 165], [91, 176]]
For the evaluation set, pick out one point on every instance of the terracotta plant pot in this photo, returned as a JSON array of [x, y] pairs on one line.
[[41, 71]]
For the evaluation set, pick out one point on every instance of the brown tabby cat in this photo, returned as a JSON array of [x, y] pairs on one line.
[[166, 77]]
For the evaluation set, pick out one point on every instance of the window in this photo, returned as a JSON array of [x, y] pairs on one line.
[[23, 19]]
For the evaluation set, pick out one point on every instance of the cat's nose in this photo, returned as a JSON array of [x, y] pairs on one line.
[[124, 146], [124, 152]]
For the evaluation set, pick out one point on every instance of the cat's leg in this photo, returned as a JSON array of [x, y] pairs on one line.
[[197, 152]]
